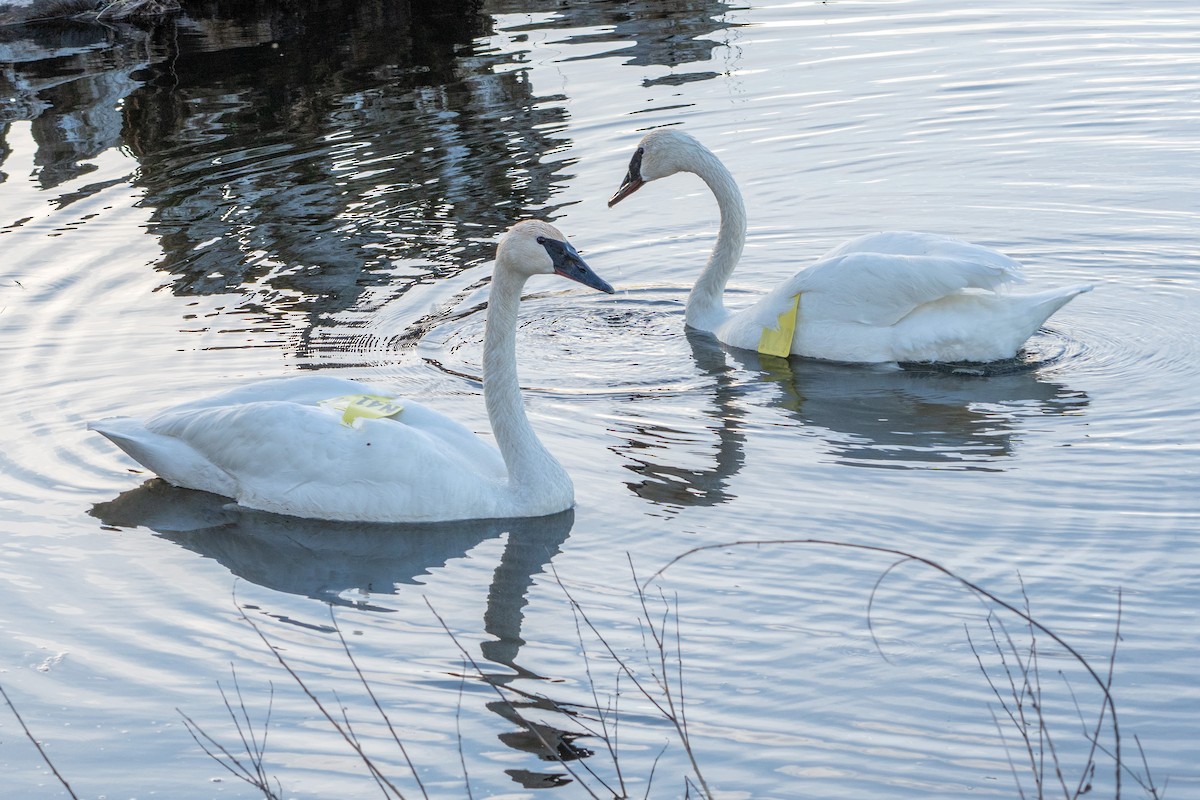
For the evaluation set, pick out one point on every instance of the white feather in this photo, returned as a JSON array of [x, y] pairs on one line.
[[272, 446], [884, 297]]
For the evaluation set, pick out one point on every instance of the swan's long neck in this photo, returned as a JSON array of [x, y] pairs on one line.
[[705, 307], [531, 468]]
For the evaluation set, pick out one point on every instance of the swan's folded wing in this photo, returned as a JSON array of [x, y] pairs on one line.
[[277, 438], [305, 389], [302, 460], [882, 288], [910, 243]]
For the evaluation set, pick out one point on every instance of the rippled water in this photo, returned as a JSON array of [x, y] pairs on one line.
[[216, 200]]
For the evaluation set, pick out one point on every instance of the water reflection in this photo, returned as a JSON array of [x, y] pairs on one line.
[[913, 418], [916, 418], [673, 484], [340, 562], [668, 33], [311, 159], [524, 557], [316, 159], [304, 166], [70, 80]]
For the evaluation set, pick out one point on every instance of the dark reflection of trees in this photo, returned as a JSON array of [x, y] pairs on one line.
[[316, 156], [326, 560], [666, 33], [304, 158], [69, 80]]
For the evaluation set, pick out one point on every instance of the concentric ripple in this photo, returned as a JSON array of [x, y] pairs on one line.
[[630, 343], [1142, 329]]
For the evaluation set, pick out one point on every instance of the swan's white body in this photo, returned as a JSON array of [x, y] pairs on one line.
[[272, 446], [884, 297]]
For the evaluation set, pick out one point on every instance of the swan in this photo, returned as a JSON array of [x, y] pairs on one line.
[[327, 448], [883, 297]]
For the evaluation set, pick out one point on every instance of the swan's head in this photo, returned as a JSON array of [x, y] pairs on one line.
[[533, 247], [660, 153]]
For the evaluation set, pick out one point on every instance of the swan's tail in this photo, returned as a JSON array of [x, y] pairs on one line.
[[1043, 304], [171, 459], [1031, 311]]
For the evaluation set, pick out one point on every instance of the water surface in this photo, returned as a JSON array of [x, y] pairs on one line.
[[213, 201]]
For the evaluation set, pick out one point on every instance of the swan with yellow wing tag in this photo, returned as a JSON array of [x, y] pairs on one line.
[[884, 297], [276, 446]]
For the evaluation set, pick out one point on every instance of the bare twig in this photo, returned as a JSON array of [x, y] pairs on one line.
[[666, 706], [462, 758], [610, 742], [346, 735], [38, 745], [979, 591], [255, 750], [1149, 784], [534, 729], [1112, 660], [1012, 767], [653, 769], [370, 693], [1013, 713]]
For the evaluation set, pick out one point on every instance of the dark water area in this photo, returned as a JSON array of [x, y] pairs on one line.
[[250, 190]]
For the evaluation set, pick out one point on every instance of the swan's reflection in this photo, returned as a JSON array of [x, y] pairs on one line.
[[328, 560], [674, 484], [914, 418]]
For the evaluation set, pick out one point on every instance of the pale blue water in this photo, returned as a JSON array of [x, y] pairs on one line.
[[216, 202]]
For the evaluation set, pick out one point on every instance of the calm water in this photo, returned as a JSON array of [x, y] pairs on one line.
[[218, 201]]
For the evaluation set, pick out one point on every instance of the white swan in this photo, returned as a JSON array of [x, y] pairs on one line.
[[302, 446], [884, 297]]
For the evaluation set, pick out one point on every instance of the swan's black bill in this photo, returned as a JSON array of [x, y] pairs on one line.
[[628, 187], [569, 264], [633, 180]]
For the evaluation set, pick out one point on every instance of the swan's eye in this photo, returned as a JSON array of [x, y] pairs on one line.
[[641, 151], [541, 240]]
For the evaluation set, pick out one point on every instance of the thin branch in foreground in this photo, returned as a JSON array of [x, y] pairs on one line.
[[1015, 713], [532, 728], [37, 744], [256, 775], [1030, 686], [345, 713], [667, 711], [389, 788], [462, 757], [610, 741], [370, 693], [653, 769], [1012, 767], [1146, 766], [979, 591]]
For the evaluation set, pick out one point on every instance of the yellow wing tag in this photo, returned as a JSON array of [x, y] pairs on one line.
[[777, 341], [370, 406]]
